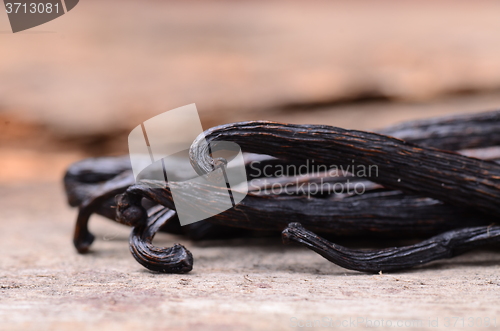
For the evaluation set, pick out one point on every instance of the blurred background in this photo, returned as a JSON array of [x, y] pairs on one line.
[[76, 86]]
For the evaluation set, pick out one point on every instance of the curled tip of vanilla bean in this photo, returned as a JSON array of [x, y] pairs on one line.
[[82, 237], [446, 245], [199, 156], [175, 259]]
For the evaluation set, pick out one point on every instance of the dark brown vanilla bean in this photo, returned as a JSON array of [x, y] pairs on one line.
[[451, 132], [384, 214], [443, 246], [446, 176], [176, 259], [84, 178], [428, 176], [375, 214], [82, 238]]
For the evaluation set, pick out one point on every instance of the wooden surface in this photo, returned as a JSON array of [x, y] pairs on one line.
[[252, 284]]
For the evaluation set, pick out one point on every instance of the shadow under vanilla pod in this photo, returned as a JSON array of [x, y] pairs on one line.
[[424, 187]]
